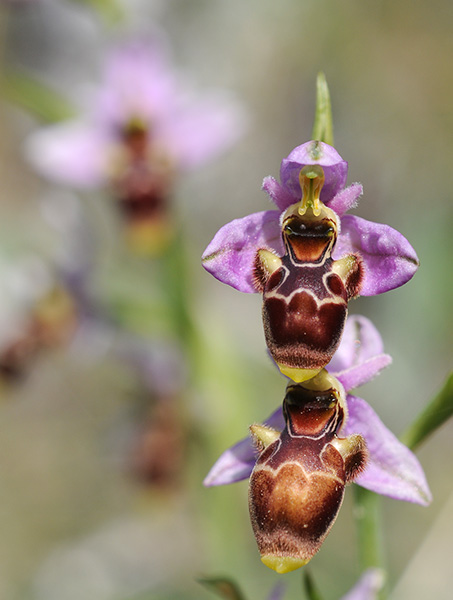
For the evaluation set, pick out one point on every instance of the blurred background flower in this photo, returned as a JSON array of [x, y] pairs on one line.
[[138, 131], [71, 515]]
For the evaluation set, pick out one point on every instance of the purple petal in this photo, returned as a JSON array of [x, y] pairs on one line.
[[138, 82], [278, 591], [315, 153], [390, 261], [393, 470], [279, 194], [71, 154], [237, 462], [346, 199], [233, 465], [361, 341], [367, 587], [198, 132], [363, 372], [360, 356], [230, 256]]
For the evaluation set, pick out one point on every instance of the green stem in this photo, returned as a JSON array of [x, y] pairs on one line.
[[368, 522], [309, 586], [176, 277], [367, 504], [439, 410]]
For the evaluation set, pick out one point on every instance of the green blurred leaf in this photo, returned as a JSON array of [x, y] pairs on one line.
[[225, 588], [323, 127], [310, 587], [25, 91], [110, 11], [438, 411]]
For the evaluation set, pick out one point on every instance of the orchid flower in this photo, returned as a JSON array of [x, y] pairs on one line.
[[392, 469], [139, 94], [138, 131], [389, 260], [308, 260], [322, 439]]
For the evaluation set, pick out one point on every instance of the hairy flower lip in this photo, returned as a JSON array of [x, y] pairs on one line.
[[393, 469]]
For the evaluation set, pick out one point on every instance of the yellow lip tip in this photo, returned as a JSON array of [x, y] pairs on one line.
[[282, 564], [298, 375]]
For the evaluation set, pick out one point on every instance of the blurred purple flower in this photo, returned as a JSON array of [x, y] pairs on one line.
[[277, 592], [392, 470], [389, 259], [139, 89], [367, 587]]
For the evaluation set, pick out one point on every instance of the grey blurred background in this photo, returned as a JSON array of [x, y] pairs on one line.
[[73, 522]]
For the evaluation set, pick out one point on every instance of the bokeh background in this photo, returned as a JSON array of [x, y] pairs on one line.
[[76, 520]]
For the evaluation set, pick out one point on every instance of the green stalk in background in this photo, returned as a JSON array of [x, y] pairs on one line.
[[435, 414]]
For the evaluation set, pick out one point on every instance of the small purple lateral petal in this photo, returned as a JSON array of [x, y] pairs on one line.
[[278, 591], [390, 261], [393, 470], [237, 463], [315, 153], [367, 587], [230, 256], [360, 341], [278, 194], [363, 372], [346, 199]]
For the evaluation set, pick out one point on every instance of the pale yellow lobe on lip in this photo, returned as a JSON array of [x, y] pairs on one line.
[[282, 564], [297, 375], [263, 435], [270, 261]]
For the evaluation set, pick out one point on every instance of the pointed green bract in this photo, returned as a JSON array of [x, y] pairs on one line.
[[23, 90], [224, 588], [323, 127], [438, 411], [310, 588]]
